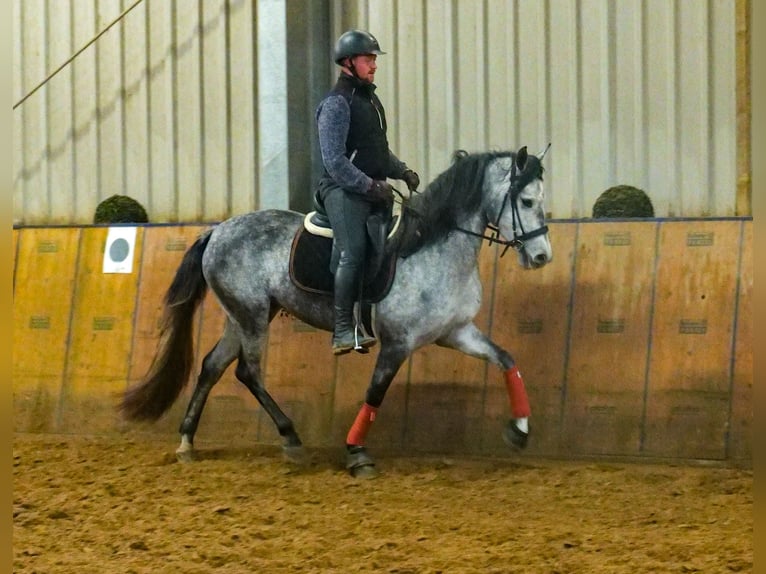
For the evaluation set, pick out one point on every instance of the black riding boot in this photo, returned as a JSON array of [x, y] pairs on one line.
[[346, 336]]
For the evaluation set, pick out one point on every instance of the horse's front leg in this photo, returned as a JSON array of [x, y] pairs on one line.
[[470, 340], [358, 461]]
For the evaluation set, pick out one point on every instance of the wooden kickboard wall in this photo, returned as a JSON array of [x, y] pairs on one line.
[[636, 340]]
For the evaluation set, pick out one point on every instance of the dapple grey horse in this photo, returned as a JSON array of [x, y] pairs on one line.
[[434, 297]]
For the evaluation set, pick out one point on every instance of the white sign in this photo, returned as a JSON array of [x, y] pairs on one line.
[[119, 251]]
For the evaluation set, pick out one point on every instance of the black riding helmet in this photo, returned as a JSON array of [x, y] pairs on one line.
[[354, 43]]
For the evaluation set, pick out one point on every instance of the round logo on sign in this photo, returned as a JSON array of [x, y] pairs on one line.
[[119, 250]]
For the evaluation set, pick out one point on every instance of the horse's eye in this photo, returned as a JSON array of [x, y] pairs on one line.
[[527, 203]]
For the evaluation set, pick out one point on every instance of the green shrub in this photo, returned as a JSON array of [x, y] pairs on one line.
[[623, 201], [120, 209]]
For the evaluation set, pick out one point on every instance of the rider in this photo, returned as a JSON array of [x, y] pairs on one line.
[[357, 161]]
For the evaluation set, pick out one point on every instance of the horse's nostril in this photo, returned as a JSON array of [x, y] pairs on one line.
[[541, 258]]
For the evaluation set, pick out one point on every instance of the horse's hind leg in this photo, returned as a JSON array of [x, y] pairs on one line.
[[249, 373], [213, 367]]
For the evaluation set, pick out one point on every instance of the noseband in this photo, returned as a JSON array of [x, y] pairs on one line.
[[519, 180]]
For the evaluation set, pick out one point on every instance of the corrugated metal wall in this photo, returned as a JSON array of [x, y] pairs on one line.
[[164, 107], [182, 104], [638, 92]]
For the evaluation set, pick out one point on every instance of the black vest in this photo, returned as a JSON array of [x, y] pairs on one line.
[[366, 139]]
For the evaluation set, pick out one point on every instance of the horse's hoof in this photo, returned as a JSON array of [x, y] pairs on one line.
[[359, 464], [514, 437], [185, 455], [295, 455]]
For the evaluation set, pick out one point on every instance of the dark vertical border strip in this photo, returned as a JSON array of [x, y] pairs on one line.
[[650, 342], [568, 331], [733, 348], [65, 375]]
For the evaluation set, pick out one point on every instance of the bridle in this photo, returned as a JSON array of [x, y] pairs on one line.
[[519, 179]]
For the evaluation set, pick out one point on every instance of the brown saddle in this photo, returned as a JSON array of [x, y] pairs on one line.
[[311, 254]]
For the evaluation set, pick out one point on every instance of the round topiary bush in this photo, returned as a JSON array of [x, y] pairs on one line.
[[623, 201], [120, 209]]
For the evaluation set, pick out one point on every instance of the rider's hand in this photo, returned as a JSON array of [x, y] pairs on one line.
[[411, 179], [381, 191]]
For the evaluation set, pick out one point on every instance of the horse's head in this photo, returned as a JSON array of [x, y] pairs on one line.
[[519, 208]]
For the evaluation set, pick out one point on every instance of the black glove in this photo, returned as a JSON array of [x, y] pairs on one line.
[[411, 179], [381, 191]]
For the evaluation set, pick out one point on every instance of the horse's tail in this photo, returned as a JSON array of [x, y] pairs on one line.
[[173, 362]]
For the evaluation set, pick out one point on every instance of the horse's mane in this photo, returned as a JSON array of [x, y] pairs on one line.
[[456, 191]]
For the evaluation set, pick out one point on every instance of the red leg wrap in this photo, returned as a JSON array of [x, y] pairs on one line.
[[517, 394], [362, 424]]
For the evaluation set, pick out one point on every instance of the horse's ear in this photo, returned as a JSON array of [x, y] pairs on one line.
[[521, 158]]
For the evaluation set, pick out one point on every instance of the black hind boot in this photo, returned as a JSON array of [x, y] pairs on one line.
[[346, 336]]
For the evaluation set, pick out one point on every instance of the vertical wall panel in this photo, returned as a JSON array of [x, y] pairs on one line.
[[214, 110], [609, 338], [629, 119], [740, 444], [18, 88], [563, 165], [693, 105], [724, 145], [441, 108], [110, 102], [688, 383], [530, 319], [244, 128], [42, 303], [85, 114], [135, 89], [410, 69], [470, 76], [98, 351], [33, 174], [502, 115], [162, 159], [188, 115], [58, 93]]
